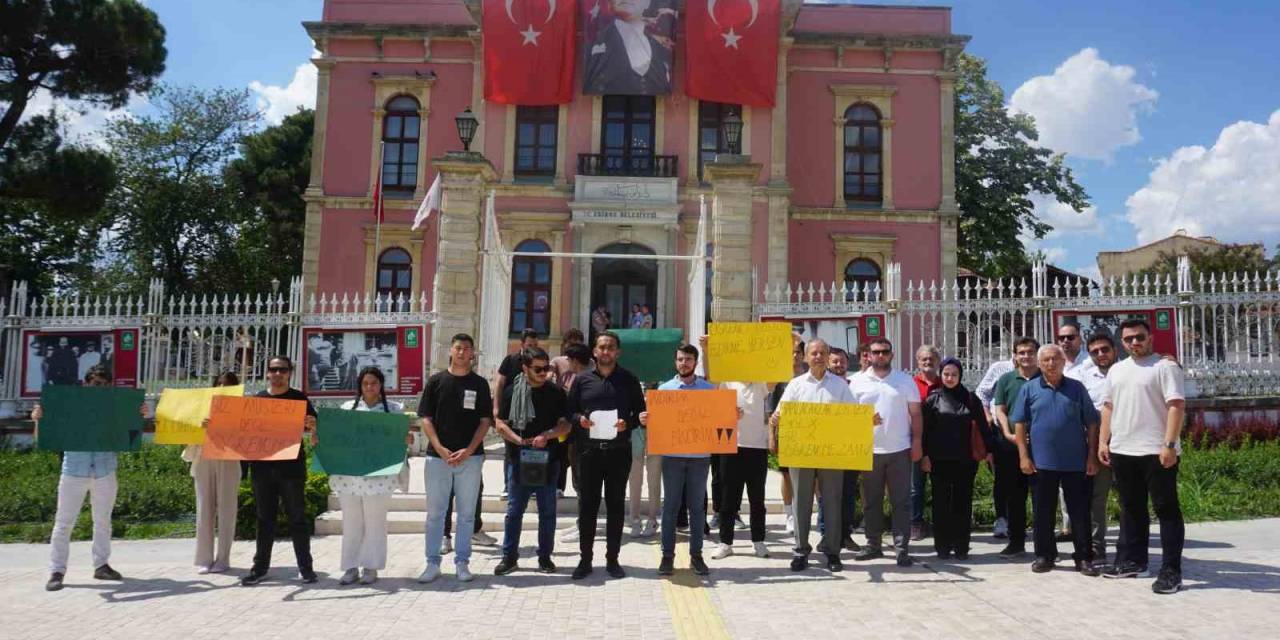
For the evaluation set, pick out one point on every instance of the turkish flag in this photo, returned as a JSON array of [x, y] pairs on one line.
[[529, 51], [732, 52]]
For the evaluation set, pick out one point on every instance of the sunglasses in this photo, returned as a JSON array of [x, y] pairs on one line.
[[1141, 337], [542, 369], [1100, 351], [279, 369], [1068, 338], [881, 352]]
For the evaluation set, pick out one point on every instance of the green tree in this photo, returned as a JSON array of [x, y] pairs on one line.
[[998, 168], [93, 50], [1228, 259]]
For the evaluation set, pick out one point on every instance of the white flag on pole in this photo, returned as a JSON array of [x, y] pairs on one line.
[[429, 203]]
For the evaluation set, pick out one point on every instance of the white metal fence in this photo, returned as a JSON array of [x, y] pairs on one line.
[[184, 341], [1224, 328]]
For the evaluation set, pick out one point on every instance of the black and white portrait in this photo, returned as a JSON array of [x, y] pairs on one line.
[[630, 45], [334, 359]]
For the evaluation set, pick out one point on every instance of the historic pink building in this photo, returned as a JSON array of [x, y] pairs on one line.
[[851, 170]]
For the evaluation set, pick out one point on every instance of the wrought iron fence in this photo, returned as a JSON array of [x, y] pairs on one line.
[[1223, 328]]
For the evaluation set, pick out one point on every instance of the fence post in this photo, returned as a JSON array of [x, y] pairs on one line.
[[1185, 293], [14, 349], [892, 303], [1040, 302], [293, 331], [154, 334]]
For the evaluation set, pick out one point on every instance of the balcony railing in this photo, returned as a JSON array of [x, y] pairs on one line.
[[599, 164]]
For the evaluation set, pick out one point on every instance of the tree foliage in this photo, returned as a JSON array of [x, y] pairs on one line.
[[1228, 258], [998, 168]]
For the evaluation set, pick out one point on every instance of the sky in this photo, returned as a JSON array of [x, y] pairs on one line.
[[1168, 112]]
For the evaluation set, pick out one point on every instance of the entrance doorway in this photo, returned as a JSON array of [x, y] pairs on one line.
[[620, 283]]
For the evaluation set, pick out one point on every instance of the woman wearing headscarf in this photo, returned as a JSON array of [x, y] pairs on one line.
[[956, 437]]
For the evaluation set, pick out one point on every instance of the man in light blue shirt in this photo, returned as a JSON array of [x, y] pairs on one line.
[[684, 475]]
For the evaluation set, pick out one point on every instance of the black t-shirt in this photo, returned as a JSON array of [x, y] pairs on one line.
[[298, 466], [510, 367], [620, 390], [455, 405], [548, 408]]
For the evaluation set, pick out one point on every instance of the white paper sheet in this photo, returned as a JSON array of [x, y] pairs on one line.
[[604, 425]]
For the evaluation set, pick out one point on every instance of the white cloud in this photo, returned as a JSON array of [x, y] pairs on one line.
[[1064, 219], [277, 102], [1088, 108], [1230, 191], [83, 122]]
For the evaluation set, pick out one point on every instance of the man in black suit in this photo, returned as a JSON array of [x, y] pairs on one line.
[[624, 58]]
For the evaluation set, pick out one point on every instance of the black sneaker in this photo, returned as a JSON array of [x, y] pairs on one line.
[[904, 560], [850, 545], [252, 578], [1169, 581], [699, 565], [799, 563], [962, 555], [582, 570], [506, 566], [868, 553], [944, 554], [1126, 569], [667, 566], [1087, 568], [105, 572], [1042, 565], [54, 583], [614, 570], [545, 565], [308, 576], [833, 563], [1012, 551]]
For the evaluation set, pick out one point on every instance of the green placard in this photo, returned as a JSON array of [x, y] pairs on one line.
[[411, 338], [1162, 320], [650, 354], [873, 327], [90, 418], [359, 443]]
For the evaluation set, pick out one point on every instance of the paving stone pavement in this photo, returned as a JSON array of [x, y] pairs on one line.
[[1232, 573]]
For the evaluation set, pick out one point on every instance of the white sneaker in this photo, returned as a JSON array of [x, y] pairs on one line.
[[738, 524], [504, 495], [432, 572], [369, 576], [219, 567], [1001, 528], [636, 529], [464, 572], [569, 535], [446, 546], [791, 524], [483, 539], [204, 568], [760, 550], [650, 529], [349, 577], [715, 521], [559, 493], [722, 551]]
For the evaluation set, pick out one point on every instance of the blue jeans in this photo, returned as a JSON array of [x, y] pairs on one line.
[[685, 477], [462, 481], [518, 500], [917, 493]]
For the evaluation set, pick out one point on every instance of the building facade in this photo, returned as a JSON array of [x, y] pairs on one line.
[[1118, 264], [851, 169]]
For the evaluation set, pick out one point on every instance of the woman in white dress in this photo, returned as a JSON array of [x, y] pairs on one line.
[[217, 492], [365, 499]]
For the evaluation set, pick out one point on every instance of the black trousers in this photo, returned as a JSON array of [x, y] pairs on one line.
[[952, 482], [448, 513], [271, 486], [747, 468], [849, 502], [717, 481], [608, 466], [1075, 490], [1015, 485], [1137, 477]]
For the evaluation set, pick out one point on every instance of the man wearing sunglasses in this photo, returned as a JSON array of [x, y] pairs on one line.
[[1141, 424], [1102, 354]]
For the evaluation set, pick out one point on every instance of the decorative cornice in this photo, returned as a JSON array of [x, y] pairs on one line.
[[320, 30], [881, 40], [860, 91], [865, 215]]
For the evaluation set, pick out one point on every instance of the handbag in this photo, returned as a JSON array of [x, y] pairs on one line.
[[977, 444], [534, 467]]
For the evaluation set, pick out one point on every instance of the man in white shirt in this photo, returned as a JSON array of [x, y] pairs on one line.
[[817, 385], [1141, 424], [897, 445], [1102, 354]]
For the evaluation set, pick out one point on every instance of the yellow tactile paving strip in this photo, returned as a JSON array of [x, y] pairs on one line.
[[693, 615]]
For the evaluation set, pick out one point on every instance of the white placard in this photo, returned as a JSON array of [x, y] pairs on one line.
[[604, 424]]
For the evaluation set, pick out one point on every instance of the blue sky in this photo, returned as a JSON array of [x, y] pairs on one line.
[[1169, 112]]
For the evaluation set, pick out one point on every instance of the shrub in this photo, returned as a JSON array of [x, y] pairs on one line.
[[315, 500], [1233, 432]]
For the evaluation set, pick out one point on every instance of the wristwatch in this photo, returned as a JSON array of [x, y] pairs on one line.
[[1171, 445]]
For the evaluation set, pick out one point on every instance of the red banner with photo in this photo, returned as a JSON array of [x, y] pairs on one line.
[[529, 51], [732, 51]]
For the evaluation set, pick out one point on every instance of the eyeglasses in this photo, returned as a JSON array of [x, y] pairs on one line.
[[542, 369], [1068, 338], [1141, 337], [279, 369], [881, 352]]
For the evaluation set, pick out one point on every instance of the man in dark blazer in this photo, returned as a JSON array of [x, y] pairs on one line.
[[624, 58]]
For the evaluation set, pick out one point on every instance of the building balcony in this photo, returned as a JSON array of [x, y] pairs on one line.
[[646, 166]]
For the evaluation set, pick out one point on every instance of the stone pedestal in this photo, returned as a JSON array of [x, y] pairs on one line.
[[456, 290], [732, 178]]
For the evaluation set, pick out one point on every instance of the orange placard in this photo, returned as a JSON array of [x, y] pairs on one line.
[[254, 429], [692, 422]]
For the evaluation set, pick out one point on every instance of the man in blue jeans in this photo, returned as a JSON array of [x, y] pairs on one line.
[[531, 415], [456, 411], [684, 475]]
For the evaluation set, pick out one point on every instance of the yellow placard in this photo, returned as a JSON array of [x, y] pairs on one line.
[[814, 435], [181, 411], [749, 351]]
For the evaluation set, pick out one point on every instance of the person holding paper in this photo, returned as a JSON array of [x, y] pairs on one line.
[[818, 385], [274, 480], [952, 417], [684, 475], [365, 499], [92, 472], [217, 485], [531, 416], [605, 404], [457, 410]]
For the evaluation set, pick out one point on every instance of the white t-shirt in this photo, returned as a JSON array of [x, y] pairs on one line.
[[1139, 390], [751, 426], [890, 395], [1094, 380], [806, 388]]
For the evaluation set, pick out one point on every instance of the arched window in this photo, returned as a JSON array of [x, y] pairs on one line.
[[531, 289], [400, 129], [395, 276], [862, 147], [861, 275]]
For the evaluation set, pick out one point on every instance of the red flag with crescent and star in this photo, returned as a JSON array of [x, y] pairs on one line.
[[529, 51], [732, 51]]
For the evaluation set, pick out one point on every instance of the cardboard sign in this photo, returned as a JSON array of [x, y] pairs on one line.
[[749, 351], [90, 419], [815, 435], [649, 354], [180, 413], [692, 422], [360, 443], [254, 429]]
